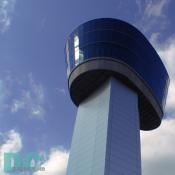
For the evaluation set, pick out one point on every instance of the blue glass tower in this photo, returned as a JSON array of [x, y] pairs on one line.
[[120, 86]]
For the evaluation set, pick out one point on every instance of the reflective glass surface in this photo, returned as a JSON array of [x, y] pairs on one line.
[[116, 39]]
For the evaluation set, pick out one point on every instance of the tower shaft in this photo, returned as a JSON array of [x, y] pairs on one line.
[[106, 138]]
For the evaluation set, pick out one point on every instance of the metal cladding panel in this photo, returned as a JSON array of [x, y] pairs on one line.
[[106, 138], [123, 144], [119, 40], [88, 148]]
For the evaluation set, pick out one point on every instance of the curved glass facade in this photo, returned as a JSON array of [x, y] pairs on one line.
[[116, 39]]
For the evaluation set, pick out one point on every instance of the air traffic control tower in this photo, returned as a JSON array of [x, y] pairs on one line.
[[119, 84]]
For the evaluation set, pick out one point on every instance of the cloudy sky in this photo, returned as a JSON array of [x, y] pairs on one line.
[[36, 113]]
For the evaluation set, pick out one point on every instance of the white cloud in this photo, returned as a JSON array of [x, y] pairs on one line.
[[56, 163], [155, 8], [171, 97], [167, 52], [158, 149], [27, 96], [12, 142], [37, 89], [6, 10], [33, 100], [17, 105], [151, 14]]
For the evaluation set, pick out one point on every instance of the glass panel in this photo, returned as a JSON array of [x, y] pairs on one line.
[[76, 49], [67, 58], [116, 41]]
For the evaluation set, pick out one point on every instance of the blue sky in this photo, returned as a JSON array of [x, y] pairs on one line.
[[36, 113]]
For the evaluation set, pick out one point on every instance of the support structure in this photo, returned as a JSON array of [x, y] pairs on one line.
[[106, 139], [120, 85]]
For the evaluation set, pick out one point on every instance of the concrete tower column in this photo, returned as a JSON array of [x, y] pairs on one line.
[[106, 139]]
